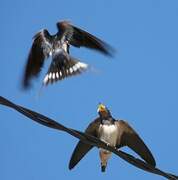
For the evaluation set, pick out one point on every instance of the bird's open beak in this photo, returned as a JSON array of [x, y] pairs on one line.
[[101, 108]]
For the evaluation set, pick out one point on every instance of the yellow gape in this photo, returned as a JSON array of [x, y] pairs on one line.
[[102, 108]]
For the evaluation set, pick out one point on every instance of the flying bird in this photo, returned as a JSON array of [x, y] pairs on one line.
[[116, 133], [86, 138], [57, 46]]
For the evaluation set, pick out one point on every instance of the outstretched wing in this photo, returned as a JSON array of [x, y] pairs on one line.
[[80, 38], [63, 66], [41, 49], [81, 149], [128, 137]]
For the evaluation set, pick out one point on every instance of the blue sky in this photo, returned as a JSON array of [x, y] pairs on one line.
[[140, 85]]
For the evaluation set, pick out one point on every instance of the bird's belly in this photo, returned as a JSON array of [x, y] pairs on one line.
[[108, 134]]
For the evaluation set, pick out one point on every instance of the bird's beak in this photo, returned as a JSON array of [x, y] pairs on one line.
[[101, 108]]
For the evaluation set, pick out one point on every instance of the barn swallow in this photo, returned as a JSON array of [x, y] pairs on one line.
[[86, 138], [57, 46], [116, 133]]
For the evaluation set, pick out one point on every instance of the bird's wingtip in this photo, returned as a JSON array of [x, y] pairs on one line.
[[71, 166]]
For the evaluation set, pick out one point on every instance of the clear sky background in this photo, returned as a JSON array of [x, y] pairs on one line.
[[140, 85]]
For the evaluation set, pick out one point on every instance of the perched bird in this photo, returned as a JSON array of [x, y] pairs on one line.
[[86, 138], [116, 133], [57, 46]]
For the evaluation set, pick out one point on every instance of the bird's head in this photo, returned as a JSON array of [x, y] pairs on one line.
[[103, 111]]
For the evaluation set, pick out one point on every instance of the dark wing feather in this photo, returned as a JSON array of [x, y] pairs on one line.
[[128, 137], [81, 149], [39, 118], [63, 66], [41, 48], [80, 38]]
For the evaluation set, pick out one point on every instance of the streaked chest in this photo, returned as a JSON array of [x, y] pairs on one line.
[[59, 46]]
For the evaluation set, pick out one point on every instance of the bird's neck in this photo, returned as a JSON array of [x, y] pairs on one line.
[[108, 120]]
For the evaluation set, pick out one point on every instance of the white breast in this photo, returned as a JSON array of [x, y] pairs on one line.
[[109, 133]]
